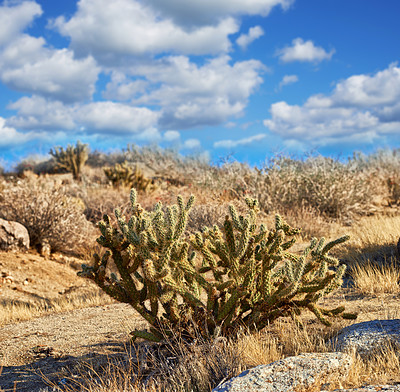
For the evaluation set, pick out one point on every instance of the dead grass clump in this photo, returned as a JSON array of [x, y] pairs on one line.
[[374, 238], [16, 311], [49, 215], [374, 279], [378, 369]]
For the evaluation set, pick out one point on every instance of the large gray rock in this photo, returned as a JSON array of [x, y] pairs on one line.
[[13, 236], [368, 336], [291, 374]]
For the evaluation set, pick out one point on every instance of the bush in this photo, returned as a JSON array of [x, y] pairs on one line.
[[242, 275], [49, 215]]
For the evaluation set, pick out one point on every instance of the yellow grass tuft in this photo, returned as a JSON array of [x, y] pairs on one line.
[[373, 279]]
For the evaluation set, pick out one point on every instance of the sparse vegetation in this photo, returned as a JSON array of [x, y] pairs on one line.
[[323, 196]]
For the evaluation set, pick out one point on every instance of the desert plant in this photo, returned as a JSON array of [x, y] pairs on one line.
[[50, 216], [246, 275], [72, 159], [123, 174]]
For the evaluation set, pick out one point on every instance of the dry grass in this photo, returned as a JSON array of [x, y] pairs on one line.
[[176, 367], [373, 279], [16, 311], [374, 238]]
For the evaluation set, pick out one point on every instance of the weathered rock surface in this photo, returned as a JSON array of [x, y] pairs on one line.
[[13, 236], [368, 336], [291, 374]]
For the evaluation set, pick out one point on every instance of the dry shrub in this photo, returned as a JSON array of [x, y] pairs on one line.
[[373, 279], [49, 215], [104, 201]]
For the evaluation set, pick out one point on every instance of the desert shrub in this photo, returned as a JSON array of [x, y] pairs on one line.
[[168, 164], [37, 164], [129, 176], [242, 274], [72, 159], [383, 167], [49, 215]]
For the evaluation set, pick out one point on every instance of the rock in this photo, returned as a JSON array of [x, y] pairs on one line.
[[13, 236], [291, 374], [368, 336]]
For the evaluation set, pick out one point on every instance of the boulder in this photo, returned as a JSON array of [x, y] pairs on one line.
[[291, 374], [13, 236], [368, 336]]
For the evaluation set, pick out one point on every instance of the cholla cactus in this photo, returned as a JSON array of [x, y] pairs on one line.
[[125, 175], [242, 275], [72, 159]]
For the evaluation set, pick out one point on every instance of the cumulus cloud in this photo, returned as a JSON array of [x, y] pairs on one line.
[[228, 144], [10, 136], [115, 117], [96, 117], [197, 12], [246, 39], [27, 65], [193, 95], [171, 136], [121, 88], [110, 29], [288, 79], [305, 51], [362, 107], [14, 19], [40, 113], [191, 144]]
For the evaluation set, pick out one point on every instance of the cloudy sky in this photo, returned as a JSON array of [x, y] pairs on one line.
[[246, 78]]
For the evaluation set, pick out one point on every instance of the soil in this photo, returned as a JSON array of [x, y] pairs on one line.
[[50, 345], [47, 350]]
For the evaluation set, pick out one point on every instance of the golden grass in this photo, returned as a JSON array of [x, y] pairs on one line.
[[15, 311], [203, 365], [374, 237], [373, 279]]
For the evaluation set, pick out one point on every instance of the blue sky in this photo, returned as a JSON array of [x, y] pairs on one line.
[[241, 78]]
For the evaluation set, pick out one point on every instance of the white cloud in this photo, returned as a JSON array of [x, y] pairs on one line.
[[15, 19], [241, 142], [39, 113], [304, 51], [171, 136], [27, 65], [288, 79], [191, 144], [150, 135], [193, 95], [111, 29], [95, 117], [115, 117], [362, 107], [246, 39], [10, 136], [196, 12], [120, 88]]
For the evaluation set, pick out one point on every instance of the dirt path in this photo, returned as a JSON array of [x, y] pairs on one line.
[[58, 341]]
